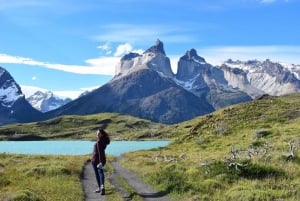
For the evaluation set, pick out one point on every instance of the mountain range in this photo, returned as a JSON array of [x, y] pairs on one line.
[[45, 101], [145, 86]]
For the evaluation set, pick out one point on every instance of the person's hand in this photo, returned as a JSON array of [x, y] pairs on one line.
[[99, 165]]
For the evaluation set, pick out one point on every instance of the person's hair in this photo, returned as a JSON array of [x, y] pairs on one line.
[[104, 135]]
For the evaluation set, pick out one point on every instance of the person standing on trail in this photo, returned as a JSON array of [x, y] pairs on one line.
[[98, 159]]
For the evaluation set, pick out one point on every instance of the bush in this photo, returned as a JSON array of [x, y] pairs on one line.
[[4, 181], [48, 170], [262, 133], [25, 195], [209, 186], [245, 194], [172, 179], [256, 171]]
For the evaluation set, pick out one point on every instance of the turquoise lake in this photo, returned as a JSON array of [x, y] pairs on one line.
[[115, 148]]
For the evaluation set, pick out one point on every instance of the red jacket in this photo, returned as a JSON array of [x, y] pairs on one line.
[[99, 156]]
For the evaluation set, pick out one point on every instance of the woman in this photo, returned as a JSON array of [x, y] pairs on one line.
[[99, 159]]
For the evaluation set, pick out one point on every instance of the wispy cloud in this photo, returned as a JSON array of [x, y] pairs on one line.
[[266, 1], [136, 33], [272, 1], [30, 90], [97, 66], [216, 55]]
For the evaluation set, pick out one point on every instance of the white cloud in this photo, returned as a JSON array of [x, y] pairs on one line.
[[106, 48], [68, 94], [271, 1], [30, 90], [216, 55], [174, 62], [97, 66], [123, 49], [34, 78], [266, 1], [138, 33]]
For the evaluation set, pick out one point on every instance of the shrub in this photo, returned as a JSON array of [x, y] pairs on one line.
[[25, 195], [172, 178], [48, 170], [4, 181], [209, 186], [256, 171], [262, 133], [245, 194]]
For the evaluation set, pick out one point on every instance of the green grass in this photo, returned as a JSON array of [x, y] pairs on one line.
[[208, 159], [25, 177], [120, 127], [199, 164], [41, 178]]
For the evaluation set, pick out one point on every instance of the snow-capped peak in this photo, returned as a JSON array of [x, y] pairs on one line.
[[46, 101], [10, 92]]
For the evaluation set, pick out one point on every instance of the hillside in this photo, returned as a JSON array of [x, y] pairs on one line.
[[249, 151], [83, 127]]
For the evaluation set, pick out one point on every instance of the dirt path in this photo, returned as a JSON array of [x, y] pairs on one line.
[[146, 192], [89, 184], [142, 189]]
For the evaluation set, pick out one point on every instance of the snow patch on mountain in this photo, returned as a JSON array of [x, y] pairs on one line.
[[46, 101], [259, 77], [10, 92], [10, 95]]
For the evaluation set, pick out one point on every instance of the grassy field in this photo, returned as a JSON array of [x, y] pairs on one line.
[[238, 153], [44, 178], [25, 177], [120, 127], [248, 151]]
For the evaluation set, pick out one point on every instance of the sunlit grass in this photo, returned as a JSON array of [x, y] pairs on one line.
[[198, 165], [25, 177]]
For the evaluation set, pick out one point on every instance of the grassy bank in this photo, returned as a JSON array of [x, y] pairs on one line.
[[25, 177], [44, 178], [242, 152]]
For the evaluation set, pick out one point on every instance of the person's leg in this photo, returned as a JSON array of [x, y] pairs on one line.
[[97, 175], [101, 176]]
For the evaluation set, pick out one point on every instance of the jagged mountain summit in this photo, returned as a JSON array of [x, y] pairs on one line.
[[207, 81], [145, 86], [13, 105], [153, 58], [262, 77], [46, 101]]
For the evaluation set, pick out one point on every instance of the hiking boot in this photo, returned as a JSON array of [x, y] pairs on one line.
[[103, 191], [97, 191]]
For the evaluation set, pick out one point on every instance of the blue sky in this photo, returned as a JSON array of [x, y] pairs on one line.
[[68, 46]]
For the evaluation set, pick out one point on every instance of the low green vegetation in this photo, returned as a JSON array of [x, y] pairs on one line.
[[248, 151], [43, 178], [120, 127], [35, 178]]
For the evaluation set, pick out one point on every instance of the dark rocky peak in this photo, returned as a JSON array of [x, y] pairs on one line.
[[252, 62], [230, 61], [7, 81], [157, 48], [130, 56], [192, 55], [191, 65]]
